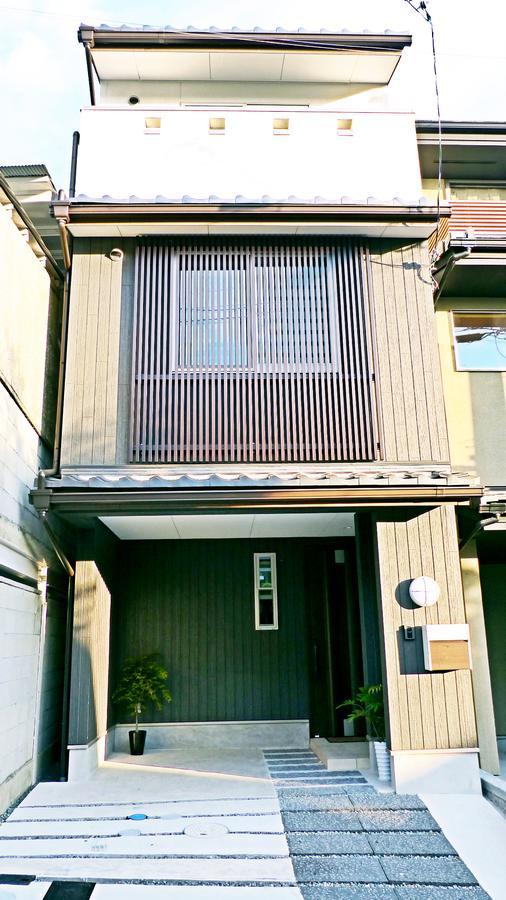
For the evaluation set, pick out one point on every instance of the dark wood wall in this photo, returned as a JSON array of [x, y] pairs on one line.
[[193, 602]]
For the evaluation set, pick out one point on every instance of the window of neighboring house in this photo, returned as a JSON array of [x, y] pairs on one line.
[[266, 592], [480, 340], [493, 192]]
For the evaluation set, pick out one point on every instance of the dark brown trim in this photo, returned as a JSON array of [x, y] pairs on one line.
[[109, 38], [156, 502], [430, 127], [82, 212]]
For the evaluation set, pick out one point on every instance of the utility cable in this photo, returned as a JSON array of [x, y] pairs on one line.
[[422, 10]]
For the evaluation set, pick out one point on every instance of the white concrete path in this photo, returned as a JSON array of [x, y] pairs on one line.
[[209, 816], [478, 832]]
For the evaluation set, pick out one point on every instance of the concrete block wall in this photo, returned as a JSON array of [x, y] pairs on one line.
[[23, 545]]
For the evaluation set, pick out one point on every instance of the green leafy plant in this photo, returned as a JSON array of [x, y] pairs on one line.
[[142, 680], [368, 704]]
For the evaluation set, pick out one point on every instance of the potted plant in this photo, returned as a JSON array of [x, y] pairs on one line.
[[368, 704], [142, 680]]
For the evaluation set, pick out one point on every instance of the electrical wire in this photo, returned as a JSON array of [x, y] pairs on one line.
[[423, 11]]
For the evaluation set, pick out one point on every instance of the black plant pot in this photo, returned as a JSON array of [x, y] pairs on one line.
[[137, 740]]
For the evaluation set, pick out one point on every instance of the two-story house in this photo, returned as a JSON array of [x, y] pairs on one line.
[[470, 273], [254, 454]]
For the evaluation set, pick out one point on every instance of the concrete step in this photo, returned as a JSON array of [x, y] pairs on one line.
[[342, 756]]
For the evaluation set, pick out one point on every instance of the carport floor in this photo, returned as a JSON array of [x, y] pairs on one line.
[[230, 824]]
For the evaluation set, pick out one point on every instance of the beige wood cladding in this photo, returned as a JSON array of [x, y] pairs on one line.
[[426, 710], [414, 424], [90, 655], [97, 390], [91, 384]]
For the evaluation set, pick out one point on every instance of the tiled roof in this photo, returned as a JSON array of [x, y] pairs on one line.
[[251, 475], [235, 29], [265, 199], [30, 171]]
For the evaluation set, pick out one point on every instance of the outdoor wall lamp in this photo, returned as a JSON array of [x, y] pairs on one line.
[[424, 591]]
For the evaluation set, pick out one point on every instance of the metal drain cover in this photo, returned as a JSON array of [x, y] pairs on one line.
[[213, 829], [130, 832]]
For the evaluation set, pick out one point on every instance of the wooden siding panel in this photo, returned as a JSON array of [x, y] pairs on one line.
[[426, 710], [409, 383], [90, 655], [93, 356], [193, 601]]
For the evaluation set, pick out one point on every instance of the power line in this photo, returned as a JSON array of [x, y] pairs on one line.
[[423, 11]]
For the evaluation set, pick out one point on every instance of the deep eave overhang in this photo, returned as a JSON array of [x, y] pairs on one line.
[[153, 502], [109, 38], [107, 212]]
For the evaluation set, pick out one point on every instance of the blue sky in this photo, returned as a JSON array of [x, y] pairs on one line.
[[43, 76]]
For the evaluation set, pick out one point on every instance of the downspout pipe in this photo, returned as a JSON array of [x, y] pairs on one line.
[[73, 163], [89, 67], [55, 468], [492, 520], [450, 265]]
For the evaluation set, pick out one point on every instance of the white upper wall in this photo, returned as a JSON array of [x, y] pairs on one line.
[[120, 157]]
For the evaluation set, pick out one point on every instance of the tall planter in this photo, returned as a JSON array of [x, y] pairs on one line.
[[382, 760], [142, 681]]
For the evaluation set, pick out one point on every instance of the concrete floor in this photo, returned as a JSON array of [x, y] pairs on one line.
[[233, 824]]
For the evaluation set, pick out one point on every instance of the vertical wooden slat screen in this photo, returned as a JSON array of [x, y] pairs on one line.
[[252, 353]]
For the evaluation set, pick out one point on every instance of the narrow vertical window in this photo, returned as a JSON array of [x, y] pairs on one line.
[[266, 592]]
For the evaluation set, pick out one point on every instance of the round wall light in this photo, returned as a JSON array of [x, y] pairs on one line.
[[424, 591], [116, 254]]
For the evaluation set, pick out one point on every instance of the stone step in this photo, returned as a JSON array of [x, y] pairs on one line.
[[262, 822], [337, 756], [218, 843], [178, 871]]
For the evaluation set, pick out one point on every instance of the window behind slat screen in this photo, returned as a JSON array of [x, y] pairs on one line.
[[252, 353]]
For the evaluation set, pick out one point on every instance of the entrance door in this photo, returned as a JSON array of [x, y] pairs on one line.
[[334, 653]]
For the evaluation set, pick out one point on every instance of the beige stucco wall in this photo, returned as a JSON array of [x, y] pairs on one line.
[[475, 402]]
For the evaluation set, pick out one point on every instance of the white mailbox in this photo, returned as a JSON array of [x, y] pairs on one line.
[[446, 647]]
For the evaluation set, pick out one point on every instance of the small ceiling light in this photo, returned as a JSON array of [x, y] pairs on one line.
[[133, 101]]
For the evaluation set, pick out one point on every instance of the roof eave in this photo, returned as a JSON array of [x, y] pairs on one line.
[[188, 212], [109, 38]]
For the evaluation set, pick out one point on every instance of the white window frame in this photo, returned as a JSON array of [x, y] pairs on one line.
[[256, 565]]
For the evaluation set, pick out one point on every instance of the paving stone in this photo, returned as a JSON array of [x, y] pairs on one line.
[[397, 820], [427, 870], [426, 843], [321, 821], [348, 892], [332, 842], [355, 869], [432, 892], [320, 790], [310, 800], [371, 800]]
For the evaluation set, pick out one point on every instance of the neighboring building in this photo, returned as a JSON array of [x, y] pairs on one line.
[[470, 271], [254, 454], [33, 592]]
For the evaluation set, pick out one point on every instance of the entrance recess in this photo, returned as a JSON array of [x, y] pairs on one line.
[[335, 656]]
